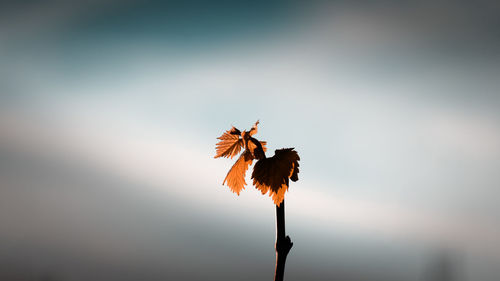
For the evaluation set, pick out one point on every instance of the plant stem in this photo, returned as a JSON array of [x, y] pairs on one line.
[[283, 242]]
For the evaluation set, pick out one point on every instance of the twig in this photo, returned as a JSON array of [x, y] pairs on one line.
[[283, 242]]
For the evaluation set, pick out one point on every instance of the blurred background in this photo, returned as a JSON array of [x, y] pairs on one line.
[[109, 113]]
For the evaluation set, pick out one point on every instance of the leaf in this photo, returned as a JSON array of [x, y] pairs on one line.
[[230, 144], [236, 176], [279, 195], [253, 131], [257, 148], [272, 174]]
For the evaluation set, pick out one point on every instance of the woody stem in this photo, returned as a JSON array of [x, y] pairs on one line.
[[283, 242]]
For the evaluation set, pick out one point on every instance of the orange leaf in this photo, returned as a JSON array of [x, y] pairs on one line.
[[229, 146], [236, 176]]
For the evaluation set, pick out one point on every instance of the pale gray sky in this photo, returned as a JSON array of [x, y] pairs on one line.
[[392, 108]]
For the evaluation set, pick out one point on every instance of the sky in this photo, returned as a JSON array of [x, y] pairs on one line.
[[109, 113]]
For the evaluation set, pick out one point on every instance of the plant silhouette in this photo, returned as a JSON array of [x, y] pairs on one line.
[[269, 175]]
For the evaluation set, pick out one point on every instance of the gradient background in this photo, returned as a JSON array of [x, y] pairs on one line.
[[109, 113]]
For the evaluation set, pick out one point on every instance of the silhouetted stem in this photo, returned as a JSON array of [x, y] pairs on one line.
[[283, 242]]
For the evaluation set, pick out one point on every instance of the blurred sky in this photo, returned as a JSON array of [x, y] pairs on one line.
[[109, 113]]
